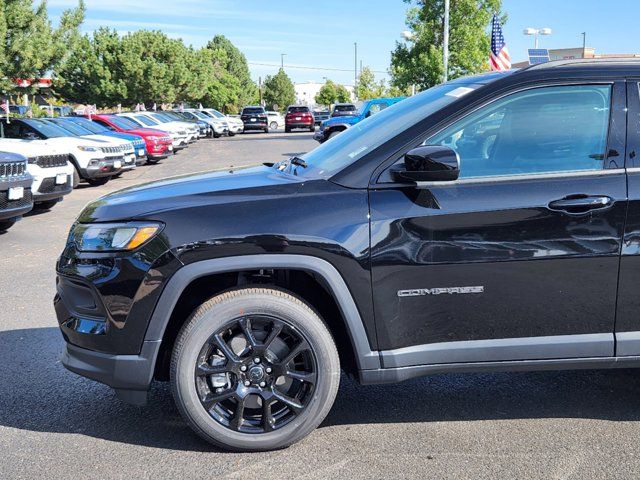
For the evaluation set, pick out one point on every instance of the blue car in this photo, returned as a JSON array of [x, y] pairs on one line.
[[333, 126], [138, 142]]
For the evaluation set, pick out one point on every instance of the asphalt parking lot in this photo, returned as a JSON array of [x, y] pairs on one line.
[[53, 424]]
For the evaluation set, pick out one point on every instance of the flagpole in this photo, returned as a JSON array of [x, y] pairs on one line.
[[445, 41]]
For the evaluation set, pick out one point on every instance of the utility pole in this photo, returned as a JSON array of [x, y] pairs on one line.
[[260, 88], [355, 70], [282, 60], [445, 41], [584, 44]]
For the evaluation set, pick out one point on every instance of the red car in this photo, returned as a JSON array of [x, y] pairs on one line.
[[299, 117], [159, 144]]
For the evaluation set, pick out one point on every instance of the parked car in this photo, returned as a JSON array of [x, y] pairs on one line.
[[15, 189], [342, 109], [179, 136], [276, 120], [18, 109], [418, 242], [333, 126], [110, 144], [158, 143], [255, 118], [137, 142], [49, 167], [205, 127], [58, 110], [234, 124], [93, 161], [193, 130], [319, 116], [298, 116]]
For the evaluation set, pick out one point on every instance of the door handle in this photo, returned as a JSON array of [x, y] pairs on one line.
[[577, 204]]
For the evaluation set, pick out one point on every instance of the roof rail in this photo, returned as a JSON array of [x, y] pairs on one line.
[[582, 61]]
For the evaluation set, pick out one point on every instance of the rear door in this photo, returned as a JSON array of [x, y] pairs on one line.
[[518, 259]]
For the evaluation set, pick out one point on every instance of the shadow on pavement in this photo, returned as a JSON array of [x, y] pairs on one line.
[[38, 394]]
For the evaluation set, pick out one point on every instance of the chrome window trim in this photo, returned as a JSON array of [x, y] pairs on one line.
[[525, 177]]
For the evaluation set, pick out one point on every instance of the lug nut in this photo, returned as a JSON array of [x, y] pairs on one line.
[[243, 368], [256, 360], [262, 384], [247, 383], [269, 370]]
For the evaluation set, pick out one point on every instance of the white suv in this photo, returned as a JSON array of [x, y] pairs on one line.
[[93, 162], [178, 135], [48, 165], [235, 124]]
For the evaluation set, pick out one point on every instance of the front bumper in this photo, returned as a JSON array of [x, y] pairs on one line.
[[15, 208], [47, 189], [319, 136], [102, 168], [306, 125], [255, 125], [129, 375]]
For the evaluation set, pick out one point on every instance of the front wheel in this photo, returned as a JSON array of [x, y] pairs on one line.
[[7, 224], [254, 369], [273, 125], [96, 182]]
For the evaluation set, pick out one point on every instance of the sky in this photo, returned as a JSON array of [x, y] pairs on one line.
[[318, 37]]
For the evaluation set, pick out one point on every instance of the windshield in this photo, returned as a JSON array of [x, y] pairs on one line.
[[200, 115], [123, 123], [251, 110], [367, 135], [213, 113], [149, 122], [89, 125], [70, 127], [344, 108], [297, 109], [49, 130], [162, 117]]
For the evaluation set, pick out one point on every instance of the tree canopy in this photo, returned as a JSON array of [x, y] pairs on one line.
[[31, 47], [279, 91], [367, 87], [419, 61], [331, 93]]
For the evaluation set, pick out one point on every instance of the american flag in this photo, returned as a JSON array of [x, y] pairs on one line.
[[499, 60]]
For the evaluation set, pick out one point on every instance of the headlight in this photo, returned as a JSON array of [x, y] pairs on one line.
[[113, 237], [154, 138], [84, 148]]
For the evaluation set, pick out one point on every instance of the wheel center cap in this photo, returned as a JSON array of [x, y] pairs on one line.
[[256, 373]]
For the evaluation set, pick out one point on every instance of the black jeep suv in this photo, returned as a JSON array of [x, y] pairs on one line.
[[16, 198], [491, 223]]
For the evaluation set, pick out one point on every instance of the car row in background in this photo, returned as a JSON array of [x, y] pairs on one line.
[[43, 159]]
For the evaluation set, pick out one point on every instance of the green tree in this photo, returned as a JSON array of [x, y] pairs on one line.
[[419, 62], [31, 46], [331, 93], [279, 91], [243, 91], [367, 87]]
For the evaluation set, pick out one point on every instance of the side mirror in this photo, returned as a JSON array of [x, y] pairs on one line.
[[430, 163], [368, 114]]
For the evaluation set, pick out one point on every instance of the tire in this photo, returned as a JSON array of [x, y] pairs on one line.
[[287, 129], [266, 130], [96, 182], [231, 134], [219, 322], [273, 125], [334, 134], [117, 175], [312, 128], [6, 224], [76, 178], [152, 161], [48, 205]]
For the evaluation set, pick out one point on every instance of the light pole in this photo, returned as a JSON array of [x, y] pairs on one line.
[[584, 44], [409, 36], [355, 70], [282, 60], [535, 32]]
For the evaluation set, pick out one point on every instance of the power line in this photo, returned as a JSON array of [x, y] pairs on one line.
[[311, 68]]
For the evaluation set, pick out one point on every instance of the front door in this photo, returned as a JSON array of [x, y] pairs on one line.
[[518, 259]]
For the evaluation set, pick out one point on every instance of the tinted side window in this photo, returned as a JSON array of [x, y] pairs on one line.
[[542, 130]]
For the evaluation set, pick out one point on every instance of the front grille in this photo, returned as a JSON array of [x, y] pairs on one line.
[[48, 185], [6, 204], [117, 149], [12, 169], [50, 161]]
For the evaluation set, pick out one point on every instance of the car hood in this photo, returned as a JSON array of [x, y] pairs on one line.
[[343, 120], [32, 148], [147, 132], [213, 188]]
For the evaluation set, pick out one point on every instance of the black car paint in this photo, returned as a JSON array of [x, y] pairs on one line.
[[545, 273], [16, 166]]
